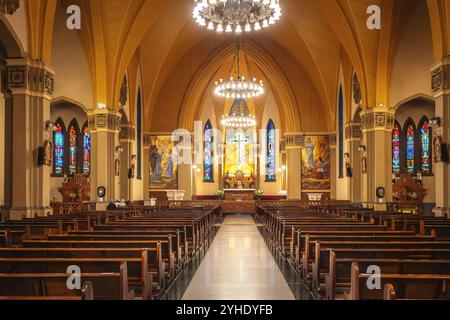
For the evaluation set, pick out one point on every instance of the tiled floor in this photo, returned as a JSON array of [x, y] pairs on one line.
[[238, 266]]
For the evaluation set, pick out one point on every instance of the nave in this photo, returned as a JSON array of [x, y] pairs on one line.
[[238, 266]]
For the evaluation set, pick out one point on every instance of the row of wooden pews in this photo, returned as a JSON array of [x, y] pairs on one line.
[[337, 250], [123, 254]]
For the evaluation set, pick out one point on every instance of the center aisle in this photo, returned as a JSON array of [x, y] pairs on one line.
[[238, 266]]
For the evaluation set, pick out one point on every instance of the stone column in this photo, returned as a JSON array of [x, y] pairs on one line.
[[104, 126], [32, 84], [146, 165], [126, 138], [333, 167], [377, 125], [440, 75], [293, 147], [353, 139]]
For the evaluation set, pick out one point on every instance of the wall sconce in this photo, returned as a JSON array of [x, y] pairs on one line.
[[50, 126], [435, 121], [101, 106], [119, 149], [362, 148]]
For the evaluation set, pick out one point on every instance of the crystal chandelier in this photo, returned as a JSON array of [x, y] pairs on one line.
[[239, 87], [239, 116], [236, 15]]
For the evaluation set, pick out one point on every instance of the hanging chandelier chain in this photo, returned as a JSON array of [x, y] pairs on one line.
[[236, 15]]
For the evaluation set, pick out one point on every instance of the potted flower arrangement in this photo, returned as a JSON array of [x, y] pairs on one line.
[[258, 194], [220, 194]]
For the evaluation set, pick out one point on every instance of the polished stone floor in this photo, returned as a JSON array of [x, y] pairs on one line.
[[238, 266]]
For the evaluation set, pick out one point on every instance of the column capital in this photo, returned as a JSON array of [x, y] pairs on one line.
[[31, 77], [127, 133], [440, 77], [353, 131], [294, 141], [104, 120], [377, 119]]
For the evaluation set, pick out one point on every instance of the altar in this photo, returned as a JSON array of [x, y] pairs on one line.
[[239, 201], [239, 194]]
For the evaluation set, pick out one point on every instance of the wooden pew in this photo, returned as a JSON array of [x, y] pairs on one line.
[[339, 275], [138, 275], [406, 286], [105, 286], [155, 267]]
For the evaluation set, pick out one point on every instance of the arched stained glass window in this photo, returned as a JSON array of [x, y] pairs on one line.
[[208, 153], [58, 138], [425, 146], [341, 133], [86, 151], [410, 147], [73, 148], [271, 174], [396, 167], [139, 134]]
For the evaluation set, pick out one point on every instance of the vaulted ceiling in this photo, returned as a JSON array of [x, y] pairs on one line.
[[313, 40]]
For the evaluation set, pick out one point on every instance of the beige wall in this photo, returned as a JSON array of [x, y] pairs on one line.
[[73, 75], [413, 60], [19, 24]]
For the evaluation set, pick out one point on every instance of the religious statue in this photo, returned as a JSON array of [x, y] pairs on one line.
[[364, 165], [132, 170], [48, 152], [117, 167], [437, 146]]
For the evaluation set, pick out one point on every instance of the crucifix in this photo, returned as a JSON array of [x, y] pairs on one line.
[[241, 142]]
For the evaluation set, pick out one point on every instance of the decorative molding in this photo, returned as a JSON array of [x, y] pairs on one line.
[[9, 6], [30, 77], [297, 140], [440, 80], [436, 79], [294, 140], [377, 119], [104, 120], [353, 131], [127, 133]]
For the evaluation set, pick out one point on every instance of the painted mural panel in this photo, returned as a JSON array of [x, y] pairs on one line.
[[316, 164], [163, 168]]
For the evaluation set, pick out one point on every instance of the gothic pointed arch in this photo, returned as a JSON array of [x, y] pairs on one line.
[[410, 142], [396, 148], [59, 150], [271, 170], [72, 146], [208, 153], [425, 137]]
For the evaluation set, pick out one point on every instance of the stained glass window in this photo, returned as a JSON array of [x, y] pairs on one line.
[[425, 138], [59, 149], [396, 148], [139, 134], [341, 133], [208, 153], [271, 152], [410, 148], [73, 149], [86, 151]]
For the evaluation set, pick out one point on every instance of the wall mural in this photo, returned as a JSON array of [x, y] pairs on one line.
[[163, 170], [316, 164]]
